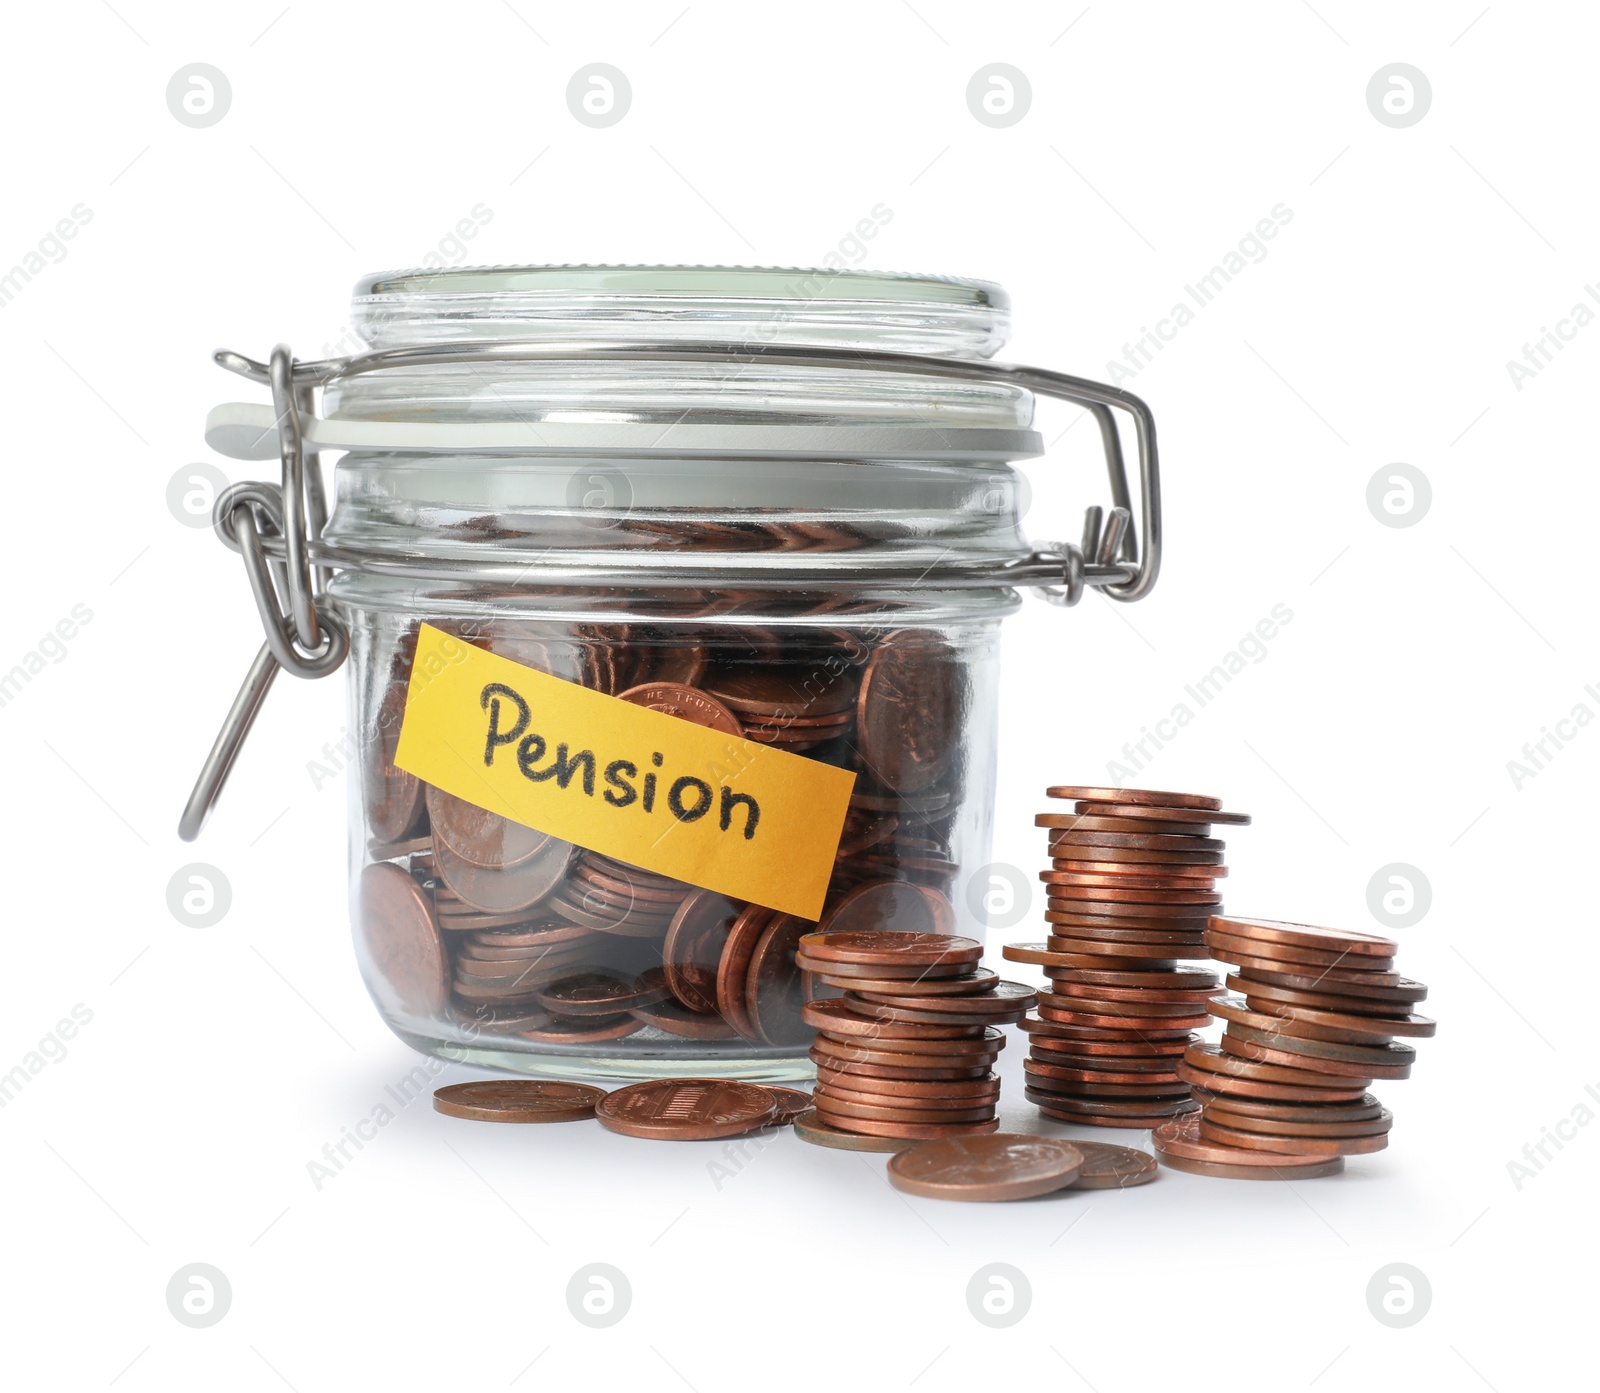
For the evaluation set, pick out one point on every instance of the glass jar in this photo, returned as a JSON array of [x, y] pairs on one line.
[[779, 504]]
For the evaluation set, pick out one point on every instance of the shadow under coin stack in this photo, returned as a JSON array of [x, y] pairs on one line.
[[1283, 1096], [905, 1054], [1132, 879]]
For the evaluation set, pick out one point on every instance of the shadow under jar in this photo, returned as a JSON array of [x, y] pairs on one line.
[[809, 555]]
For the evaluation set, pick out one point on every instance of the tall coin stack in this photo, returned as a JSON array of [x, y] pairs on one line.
[[905, 1053], [1283, 1096], [1131, 882]]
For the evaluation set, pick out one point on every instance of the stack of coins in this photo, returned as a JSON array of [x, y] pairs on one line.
[[1283, 1095], [905, 1052], [1131, 881]]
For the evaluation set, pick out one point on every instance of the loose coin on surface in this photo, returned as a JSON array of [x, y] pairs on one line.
[[791, 1103], [809, 1127], [998, 1166], [1108, 1167], [518, 1100], [687, 1109]]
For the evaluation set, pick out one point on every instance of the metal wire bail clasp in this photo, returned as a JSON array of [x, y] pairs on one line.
[[302, 634]]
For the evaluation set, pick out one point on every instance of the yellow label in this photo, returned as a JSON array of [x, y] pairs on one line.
[[647, 788]]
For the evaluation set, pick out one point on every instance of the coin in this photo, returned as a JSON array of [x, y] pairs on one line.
[[597, 992], [919, 1131], [838, 1018], [1213, 1059], [410, 970], [907, 711], [686, 703], [811, 1128], [1042, 955], [478, 836], [518, 1100], [1089, 1073], [1276, 1049], [1081, 822], [1351, 1029], [1224, 1171], [1135, 1112], [1377, 987], [1184, 1139], [978, 981], [834, 1107], [1122, 809], [1089, 950], [881, 947], [962, 1045], [686, 1109], [865, 1069], [585, 1032], [772, 983], [734, 966], [898, 906], [1180, 873], [676, 1019], [1108, 1167], [915, 1092], [499, 891], [791, 1104], [1091, 890], [1362, 1109], [1341, 942], [761, 691], [1063, 835], [1003, 999], [1227, 947], [998, 1166], [1274, 1145], [1310, 1126], [1197, 980], [693, 947], [391, 798], [1139, 860], [1144, 797]]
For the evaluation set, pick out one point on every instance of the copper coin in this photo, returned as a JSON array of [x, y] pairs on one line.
[[734, 966], [791, 1104], [763, 691], [1143, 797], [1119, 872], [1061, 836], [1292, 1146], [1040, 1069], [864, 1089], [395, 851], [693, 947], [1337, 941], [596, 991], [1214, 1059], [1227, 946], [1235, 1086], [1088, 950], [518, 1100], [1222, 1171], [1119, 808], [840, 1064], [1132, 996], [962, 1043], [1141, 1109], [1107, 1167], [391, 797], [586, 1032], [1129, 1030], [1185, 979], [1088, 1091], [1042, 955], [673, 1018], [1156, 1013], [878, 947], [772, 983], [1391, 1061], [896, 972], [918, 1131], [1312, 1126], [811, 1128], [1349, 1029], [908, 711], [1103, 895], [1104, 914], [687, 704], [1154, 889], [1110, 1054], [687, 1109], [1182, 1138], [1146, 827], [1271, 998], [1002, 999], [832, 1108], [533, 936], [999, 1166], [1376, 987], [410, 969], [846, 1056], [837, 1018], [892, 906], [478, 836], [621, 889], [499, 891], [1361, 1109], [912, 1016], [978, 981], [1064, 856]]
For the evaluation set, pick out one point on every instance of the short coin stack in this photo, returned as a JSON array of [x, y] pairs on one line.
[[905, 1053], [1132, 879], [1284, 1094]]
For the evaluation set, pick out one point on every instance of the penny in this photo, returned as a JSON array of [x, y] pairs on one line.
[[1093, 1055], [1223, 1171], [1276, 1049], [1108, 1167], [518, 1100], [1156, 1092], [1125, 1031], [478, 836], [1350, 1029], [499, 891], [1337, 941], [1324, 1055], [597, 992], [772, 983], [881, 947], [998, 1166], [1112, 914], [686, 703], [1138, 1013], [1280, 1146], [761, 691], [1120, 871], [1131, 997], [897, 906], [1152, 888], [616, 884], [674, 1018], [861, 1069], [1227, 946], [1366, 1108], [916, 1092], [1132, 841], [734, 966], [1235, 1086], [963, 1046], [1197, 980], [908, 710], [980, 980], [895, 972], [687, 1109], [843, 1112], [1262, 996], [1042, 955], [1042, 1069], [1311, 1126], [397, 850], [1214, 1059], [919, 1131], [1003, 999], [791, 1104], [409, 968], [838, 1018], [1090, 950], [1136, 860], [1119, 808], [693, 947], [1375, 987], [1358, 980], [587, 1032], [1126, 1108], [1182, 1138], [811, 1128], [1147, 827], [534, 936], [1143, 797], [392, 798]]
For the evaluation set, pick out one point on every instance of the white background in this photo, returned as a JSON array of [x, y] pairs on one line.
[[219, 1062]]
